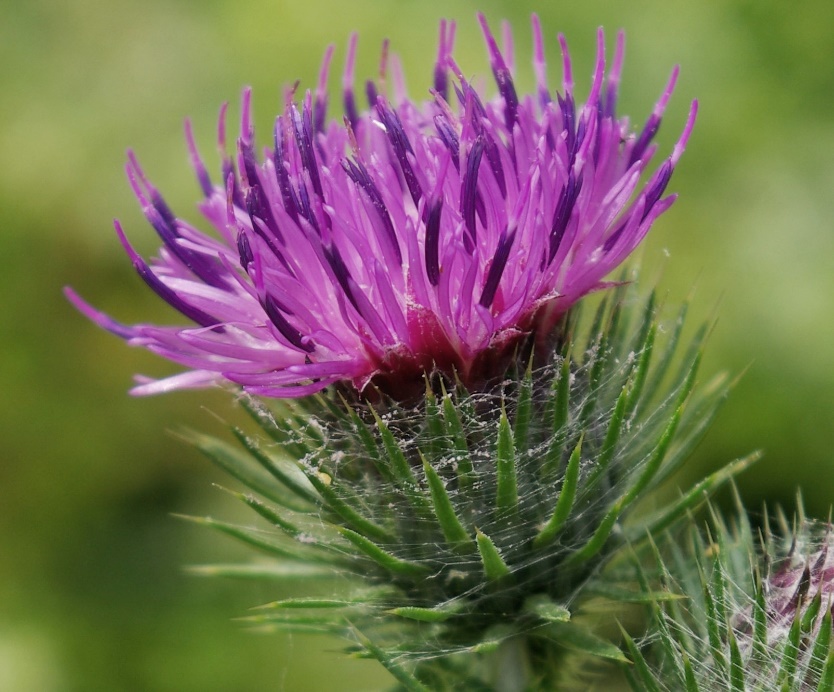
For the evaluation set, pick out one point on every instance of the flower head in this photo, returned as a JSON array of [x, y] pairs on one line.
[[408, 237]]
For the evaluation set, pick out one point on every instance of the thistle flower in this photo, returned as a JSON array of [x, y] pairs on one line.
[[402, 239], [475, 521]]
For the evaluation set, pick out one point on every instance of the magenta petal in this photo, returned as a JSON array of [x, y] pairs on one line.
[[384, 243]]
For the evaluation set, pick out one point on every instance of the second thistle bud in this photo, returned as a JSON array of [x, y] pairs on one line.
[[758, 614]]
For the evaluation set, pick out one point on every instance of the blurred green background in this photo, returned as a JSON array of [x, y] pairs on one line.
[[92, 591]]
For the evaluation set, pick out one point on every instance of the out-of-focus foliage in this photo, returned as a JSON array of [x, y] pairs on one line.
[[92, 595]]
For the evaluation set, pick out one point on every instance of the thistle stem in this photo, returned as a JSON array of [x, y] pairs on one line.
[[511, 666]]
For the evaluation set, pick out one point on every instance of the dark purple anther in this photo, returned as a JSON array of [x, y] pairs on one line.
[[474, 108], [646, 137], [662, 178], [157, 286], [568, 110], [165, 228], [477, 115], [494, 159], [349, 103], [402, 147], [503, 78], [302, 125], [433, 242], [340, 271], [610, 107], [290, 333], [258, 226], [468, 192], [507, 89], [306, 209], [260, 229], [353, 292], [287, 195], [459, 93], [172, 298], [162, 207], [371, 93], [203, 268], [393, 126], [252, 204], [444, 51], [441, 80], [244, 251], [449, 137], [564, 208], [255, 200], [480, 208], [545, 99], [611, 241], [496, 269], [319, 113], [164, 222], [359, 175], [653, 123]]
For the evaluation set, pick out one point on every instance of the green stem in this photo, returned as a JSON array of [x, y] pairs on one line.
[[511, 672]]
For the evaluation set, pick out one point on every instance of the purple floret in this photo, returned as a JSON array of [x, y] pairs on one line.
[[403, 239]]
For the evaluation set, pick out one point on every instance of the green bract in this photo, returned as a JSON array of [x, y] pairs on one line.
[[480, 523]]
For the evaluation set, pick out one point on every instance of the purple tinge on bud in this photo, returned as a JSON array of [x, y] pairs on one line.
[[412, 236], [796, 588], [796, 580]]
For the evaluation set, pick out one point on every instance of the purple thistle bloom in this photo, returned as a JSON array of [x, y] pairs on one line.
[[408, 237]]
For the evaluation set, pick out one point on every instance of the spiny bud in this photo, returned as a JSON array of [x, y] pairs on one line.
[[757, 617]]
